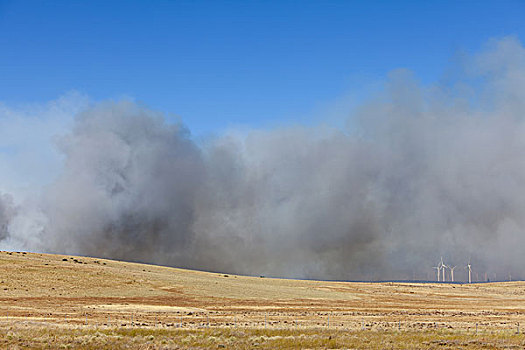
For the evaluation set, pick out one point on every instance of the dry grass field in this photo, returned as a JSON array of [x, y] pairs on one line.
[[55, 301]]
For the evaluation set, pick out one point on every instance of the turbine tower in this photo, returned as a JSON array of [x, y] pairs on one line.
[[443, 267], [469, 267], [438, 268], [451, 268]]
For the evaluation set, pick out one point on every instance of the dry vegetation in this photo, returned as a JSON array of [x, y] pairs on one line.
[[77, 302]]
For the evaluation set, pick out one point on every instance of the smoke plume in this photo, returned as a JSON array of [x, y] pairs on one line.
[[7, 212], [420, 172]]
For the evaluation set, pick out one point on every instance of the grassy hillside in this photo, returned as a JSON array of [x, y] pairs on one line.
[[63, 295]]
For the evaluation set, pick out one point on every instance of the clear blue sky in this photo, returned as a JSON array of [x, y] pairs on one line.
[[225, 63]]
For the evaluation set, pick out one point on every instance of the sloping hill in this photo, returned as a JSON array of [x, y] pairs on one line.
[[33, 285], [43, 290]]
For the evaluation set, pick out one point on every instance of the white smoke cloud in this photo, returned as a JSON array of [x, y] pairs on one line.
[[422, 171], [28, 156]]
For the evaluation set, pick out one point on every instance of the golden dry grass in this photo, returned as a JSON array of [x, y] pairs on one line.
[[64, 298]]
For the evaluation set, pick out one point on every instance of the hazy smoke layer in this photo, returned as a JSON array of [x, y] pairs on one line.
[[419, 173], [7, 212]]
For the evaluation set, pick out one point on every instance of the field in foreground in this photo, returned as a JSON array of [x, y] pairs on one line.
[[49, 301]]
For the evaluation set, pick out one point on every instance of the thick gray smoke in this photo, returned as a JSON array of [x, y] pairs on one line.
[[420, 172]]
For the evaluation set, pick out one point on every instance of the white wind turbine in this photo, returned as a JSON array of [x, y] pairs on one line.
[[469, 267], [438, 268], [443, 267], [451, 268]]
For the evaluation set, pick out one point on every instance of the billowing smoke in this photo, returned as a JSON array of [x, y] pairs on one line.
[[420, 172], [7, 212]]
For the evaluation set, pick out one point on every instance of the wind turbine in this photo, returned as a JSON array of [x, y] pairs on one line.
[[469, 267], [451, 268], [438, 268], [443, 266]]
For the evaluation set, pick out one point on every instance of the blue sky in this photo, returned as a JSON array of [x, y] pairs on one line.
[[220, 64]]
